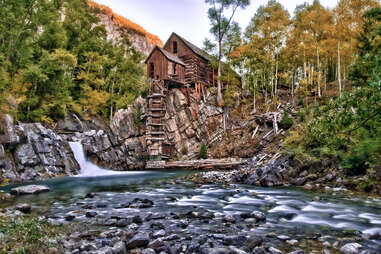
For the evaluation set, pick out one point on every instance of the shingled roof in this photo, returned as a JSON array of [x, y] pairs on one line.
[[194, 48], [168, 55]]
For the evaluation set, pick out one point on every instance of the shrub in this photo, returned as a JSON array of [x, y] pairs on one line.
[[286, 121], [301, 115], [184, 150], [203, 154], [137, 116], [300, 101]]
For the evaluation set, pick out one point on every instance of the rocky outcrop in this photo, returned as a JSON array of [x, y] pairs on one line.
[[33, 152], [118, 27], [189, 123], [118, 146]]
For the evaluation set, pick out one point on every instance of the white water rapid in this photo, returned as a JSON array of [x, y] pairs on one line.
[[87, 167]]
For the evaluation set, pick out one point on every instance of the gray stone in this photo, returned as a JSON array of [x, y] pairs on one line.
[[148, 251], [351, 248], [25, 208], [119, 248], [9, 135], [139, 240], [259, 216], [238, 240], [297, 252], [253, 241], [283, 237], [156, 244], [218, 251], [159, 233], [234, 250], [273, 250], [26, 156], [29, 189], [2, 152], [259, 250]]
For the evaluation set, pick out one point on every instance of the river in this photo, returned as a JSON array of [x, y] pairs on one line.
[[291, 214]]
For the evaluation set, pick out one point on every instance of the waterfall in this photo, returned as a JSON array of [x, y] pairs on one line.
[[88, 168]]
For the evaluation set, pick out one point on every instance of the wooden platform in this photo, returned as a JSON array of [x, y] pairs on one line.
[[209, 164]]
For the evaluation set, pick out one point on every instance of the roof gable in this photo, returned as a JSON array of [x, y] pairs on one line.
[[191, 46], [171, 57]]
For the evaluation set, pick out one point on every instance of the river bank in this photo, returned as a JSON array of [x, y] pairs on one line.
[[283, 171]]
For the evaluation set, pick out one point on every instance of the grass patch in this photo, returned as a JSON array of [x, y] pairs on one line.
[[28, 234]]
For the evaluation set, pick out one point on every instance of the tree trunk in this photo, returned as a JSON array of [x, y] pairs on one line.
[[292, 87], [111, 103], [338, 67], [318, 70], [254, 99], [219, 85], [276, 76]]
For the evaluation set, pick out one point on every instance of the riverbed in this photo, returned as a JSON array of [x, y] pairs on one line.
[[293, 219]]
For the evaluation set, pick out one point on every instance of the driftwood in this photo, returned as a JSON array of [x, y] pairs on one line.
[[255, 131], [265, 136], [275, 124], [204, 164]]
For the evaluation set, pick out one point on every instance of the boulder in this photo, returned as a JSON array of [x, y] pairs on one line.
[[25, 208], [123, 123], [119, 248], [350, 248], [26, 156], [70, 123], [139, 240], [9, 133], [29, 189], [179, 99]]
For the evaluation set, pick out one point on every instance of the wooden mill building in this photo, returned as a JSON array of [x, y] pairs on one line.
[[179, 64]]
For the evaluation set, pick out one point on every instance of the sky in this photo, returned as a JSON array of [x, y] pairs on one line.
[[188, 18]]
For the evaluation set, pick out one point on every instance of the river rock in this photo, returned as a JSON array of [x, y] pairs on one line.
[[119, 248], [139, 240], [253, 241], [297, 252], [29, 189], [25, 208], [273, 250], [351, 248], [259, 216], [269, 175], [238, 240]]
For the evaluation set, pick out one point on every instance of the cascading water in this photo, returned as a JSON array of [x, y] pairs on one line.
[[88, 168]]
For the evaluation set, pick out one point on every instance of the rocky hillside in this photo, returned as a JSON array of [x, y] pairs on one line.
[[117, 26]]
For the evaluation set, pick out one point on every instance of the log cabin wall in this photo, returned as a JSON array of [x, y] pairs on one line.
[[160, 67], [179, 72], [197, 68], [159, 63]]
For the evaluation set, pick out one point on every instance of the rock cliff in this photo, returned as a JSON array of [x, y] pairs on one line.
[[33, 152], [118, 26]]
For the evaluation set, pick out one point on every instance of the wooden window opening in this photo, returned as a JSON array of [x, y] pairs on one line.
[[175, 47], [152, 70]]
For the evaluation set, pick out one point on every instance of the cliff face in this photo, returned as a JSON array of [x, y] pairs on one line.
[[118, 26]]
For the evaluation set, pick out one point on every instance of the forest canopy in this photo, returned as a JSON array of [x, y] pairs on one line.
[[55, 58]]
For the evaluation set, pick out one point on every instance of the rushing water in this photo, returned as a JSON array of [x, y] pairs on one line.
[[292, 212], [87, 167]]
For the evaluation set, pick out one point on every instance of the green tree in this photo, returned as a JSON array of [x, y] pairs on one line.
[[220, 25]]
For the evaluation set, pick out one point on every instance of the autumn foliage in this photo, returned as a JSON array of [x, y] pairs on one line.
[[126, 23]]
